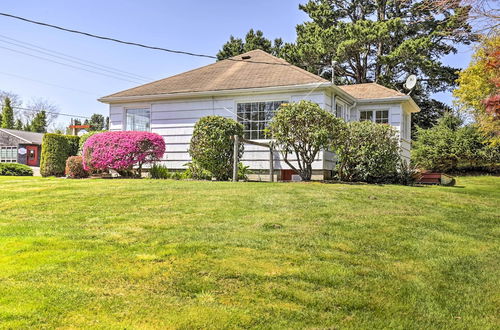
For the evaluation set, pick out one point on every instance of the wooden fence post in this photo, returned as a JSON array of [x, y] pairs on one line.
[[236, 151], [271, 163]]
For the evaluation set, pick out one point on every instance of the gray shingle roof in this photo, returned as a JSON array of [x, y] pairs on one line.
[[28, 137]]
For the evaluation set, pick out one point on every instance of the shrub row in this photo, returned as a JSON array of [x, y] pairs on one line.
[[56, 148], [14, 169]]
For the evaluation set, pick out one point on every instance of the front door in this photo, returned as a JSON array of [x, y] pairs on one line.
[[32, 155]]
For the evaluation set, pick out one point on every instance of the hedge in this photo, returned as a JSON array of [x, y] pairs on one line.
[[84, 139], [56, 148], [14, 169], [74, 168]]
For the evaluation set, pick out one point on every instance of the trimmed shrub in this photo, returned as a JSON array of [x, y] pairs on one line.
[[303, 129], [368, 152], [194, 171], [74, 168], [122, 151], [14, 169], [212, 147], [56, 148], [158, 171], [84, 139]]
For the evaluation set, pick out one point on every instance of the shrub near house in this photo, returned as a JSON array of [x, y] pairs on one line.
[[56, 150], [122, 151]]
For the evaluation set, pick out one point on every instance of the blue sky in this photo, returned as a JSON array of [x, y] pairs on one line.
[[197, 26]]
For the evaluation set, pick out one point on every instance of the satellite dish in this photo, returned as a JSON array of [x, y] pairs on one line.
[[411, 81]]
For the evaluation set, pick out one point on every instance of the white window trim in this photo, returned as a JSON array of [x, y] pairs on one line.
[[8, 160], [374, 115], [256, 100], [140, 106]]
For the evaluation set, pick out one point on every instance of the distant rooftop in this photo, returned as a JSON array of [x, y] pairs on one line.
[[370, 91], [28, 137]]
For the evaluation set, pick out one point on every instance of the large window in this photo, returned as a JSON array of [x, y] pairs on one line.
[[8, 154], [378, 116], [138, 120], [255, 117]]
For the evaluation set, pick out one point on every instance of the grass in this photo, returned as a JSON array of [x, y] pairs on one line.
[[176, 254]]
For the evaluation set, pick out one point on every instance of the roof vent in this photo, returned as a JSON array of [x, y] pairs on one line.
[[246, 57]]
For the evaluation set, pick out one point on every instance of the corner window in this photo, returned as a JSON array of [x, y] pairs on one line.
[[138, 119], [255, 116], [377, 116]]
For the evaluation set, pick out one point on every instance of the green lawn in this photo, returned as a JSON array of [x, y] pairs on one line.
[[174, 254]]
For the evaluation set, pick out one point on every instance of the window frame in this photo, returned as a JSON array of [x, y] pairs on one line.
[[374, 115], [250, 101], [137, 107], [13, 152]]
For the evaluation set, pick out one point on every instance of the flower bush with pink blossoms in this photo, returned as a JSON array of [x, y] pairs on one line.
[[121, 151]]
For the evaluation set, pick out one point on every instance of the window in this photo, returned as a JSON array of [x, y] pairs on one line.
[[138, 119], [382, 117], [8, 154], [378, 116], [338, 111], [366, 115], [255, 117]]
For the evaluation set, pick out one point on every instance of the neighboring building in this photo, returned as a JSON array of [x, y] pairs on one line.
[[249, 91], [20, 147]]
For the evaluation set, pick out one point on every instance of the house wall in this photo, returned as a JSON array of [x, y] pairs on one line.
[[175, 120]]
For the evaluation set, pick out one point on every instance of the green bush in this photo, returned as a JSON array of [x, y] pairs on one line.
[[194, 171], [450, 147], [212, 147], [84, 138], [56, 148], [14, 169], [158, 171], [74, 168], [368, 152], [243, 172], [303, 129]]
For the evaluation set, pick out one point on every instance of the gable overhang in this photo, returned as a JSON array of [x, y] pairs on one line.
[[308, 88], [405, 100]]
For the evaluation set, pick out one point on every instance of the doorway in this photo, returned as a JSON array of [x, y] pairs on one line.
[[32, 158]]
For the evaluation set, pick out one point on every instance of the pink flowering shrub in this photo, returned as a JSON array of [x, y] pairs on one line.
[[121, 151]]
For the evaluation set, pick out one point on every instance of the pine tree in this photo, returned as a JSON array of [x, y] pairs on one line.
[[39, 123], [18, 125], [7, 114], [253, 40], [97, 122]]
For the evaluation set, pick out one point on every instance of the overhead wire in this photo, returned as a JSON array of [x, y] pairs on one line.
[[131, 43], [70, 58]]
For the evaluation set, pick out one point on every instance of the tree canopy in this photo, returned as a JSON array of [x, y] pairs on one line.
[[253, 40]]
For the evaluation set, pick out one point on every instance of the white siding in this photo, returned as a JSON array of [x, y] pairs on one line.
[[174, 120]]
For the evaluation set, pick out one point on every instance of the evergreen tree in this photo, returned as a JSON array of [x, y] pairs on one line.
[[7, 114], [39, 123], [97, 122], [18, 125], [253, 40]]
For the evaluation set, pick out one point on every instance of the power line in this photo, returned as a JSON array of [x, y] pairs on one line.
[[47, 83], [52, 112], [69, 65], [135, 43], [73, 59]]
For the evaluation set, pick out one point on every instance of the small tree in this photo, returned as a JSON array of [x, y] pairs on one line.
[[121, 151], [303, 129], [212, 147], [7, 114], [97, 122], [18, 125], [39, 123], [368, 152]]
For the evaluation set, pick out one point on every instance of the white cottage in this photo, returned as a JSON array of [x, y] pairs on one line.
[[249, 88]]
